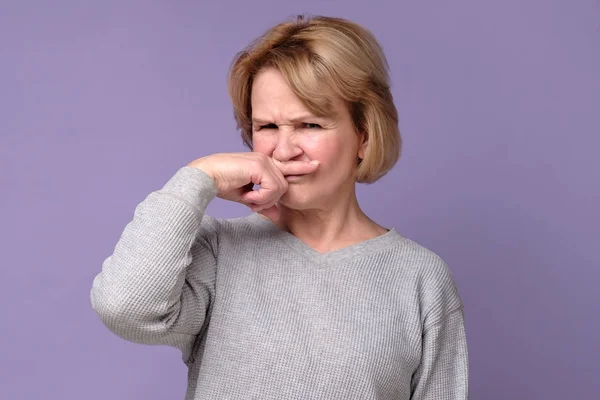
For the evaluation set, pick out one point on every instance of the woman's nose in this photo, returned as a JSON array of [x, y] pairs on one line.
[[286, 149]]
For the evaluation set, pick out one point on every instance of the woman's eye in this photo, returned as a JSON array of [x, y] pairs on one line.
[[310, 125], [268, 126]]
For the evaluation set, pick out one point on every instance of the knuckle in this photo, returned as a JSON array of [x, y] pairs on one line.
[[256, 163], [260, 157]]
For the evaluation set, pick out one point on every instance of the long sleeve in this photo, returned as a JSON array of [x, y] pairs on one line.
[[157, 285], [444, 369]]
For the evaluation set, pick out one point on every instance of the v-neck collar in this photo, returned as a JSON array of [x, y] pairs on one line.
[[360, 249]]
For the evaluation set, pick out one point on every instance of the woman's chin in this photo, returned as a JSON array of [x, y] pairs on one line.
[[295, 199]]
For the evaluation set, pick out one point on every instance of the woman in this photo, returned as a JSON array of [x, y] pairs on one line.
[[306, 298]]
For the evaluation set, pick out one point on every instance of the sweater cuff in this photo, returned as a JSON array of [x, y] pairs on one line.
[[192, 185]]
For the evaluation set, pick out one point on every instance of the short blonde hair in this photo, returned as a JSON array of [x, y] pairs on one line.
[[337, 53]]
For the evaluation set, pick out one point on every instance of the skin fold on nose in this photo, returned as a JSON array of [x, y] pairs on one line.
[[285, 148]]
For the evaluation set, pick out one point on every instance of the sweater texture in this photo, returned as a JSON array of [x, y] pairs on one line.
[[258, 314]]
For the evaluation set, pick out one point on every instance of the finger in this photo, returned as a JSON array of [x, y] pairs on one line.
[[257, 208], [268, 205], [254, 206], [260, 197], [296, 167]]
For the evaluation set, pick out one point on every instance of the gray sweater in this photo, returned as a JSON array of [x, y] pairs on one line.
[[258, 314]]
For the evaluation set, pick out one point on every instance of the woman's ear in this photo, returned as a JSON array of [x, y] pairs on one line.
[[364, 141]]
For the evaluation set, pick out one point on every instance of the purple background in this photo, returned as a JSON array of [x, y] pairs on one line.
[[101, 102]]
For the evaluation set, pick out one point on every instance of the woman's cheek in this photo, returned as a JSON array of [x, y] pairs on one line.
[[263, 145], [318, 147]]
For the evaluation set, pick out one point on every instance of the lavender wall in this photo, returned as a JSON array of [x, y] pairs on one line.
[[101, 102]]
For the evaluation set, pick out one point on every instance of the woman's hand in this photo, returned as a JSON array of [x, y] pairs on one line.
[[235, 175]]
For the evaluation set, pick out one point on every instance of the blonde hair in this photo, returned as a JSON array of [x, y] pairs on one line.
[[337, 53]]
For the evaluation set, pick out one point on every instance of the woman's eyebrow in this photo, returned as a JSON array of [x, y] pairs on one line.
[[294, 120]]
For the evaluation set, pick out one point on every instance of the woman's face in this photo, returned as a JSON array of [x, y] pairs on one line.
[[284, 129]]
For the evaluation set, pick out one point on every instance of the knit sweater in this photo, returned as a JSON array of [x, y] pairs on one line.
[[258, 314]]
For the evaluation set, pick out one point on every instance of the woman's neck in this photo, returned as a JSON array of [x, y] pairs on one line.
[[331, 228]]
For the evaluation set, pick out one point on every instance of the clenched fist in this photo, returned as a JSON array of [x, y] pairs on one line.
[[235, 175]]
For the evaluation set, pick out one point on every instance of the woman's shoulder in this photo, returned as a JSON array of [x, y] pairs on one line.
[[246, 226], [417, 258], [233, 230], [431, 277], [228, 235]]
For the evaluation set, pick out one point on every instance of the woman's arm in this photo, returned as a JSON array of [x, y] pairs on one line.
[[157, 285], [444, 370]]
